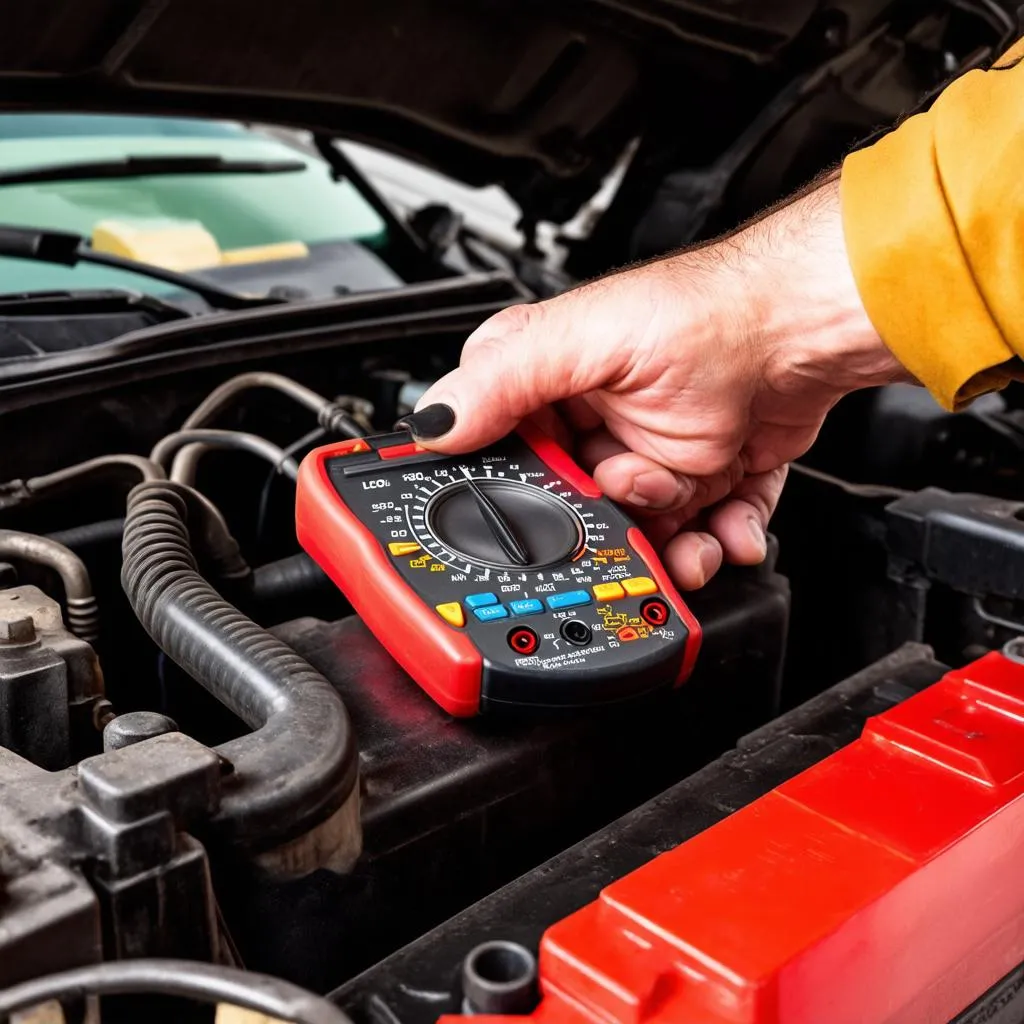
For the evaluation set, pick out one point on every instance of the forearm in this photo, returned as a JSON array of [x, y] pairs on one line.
[[808, 313]]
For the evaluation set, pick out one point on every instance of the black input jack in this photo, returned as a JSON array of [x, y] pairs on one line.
[[654, 611], [523, 640], [576, 632]]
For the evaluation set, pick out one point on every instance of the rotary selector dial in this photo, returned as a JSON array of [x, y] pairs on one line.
[[504, 524]]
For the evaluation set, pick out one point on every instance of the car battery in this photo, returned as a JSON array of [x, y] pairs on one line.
[[421, 983], [855, 861]]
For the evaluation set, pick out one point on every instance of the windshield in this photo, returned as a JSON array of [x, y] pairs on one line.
[[225, 225]]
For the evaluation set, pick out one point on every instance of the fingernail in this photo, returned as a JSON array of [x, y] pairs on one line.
[[757, 532], [708, 561], [430, 422], [637, 499]]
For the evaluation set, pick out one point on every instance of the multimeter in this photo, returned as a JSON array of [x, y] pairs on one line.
[[501, 577]]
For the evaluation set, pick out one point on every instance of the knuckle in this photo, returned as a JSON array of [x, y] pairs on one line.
[[687, 490], [510, 320], [761, 506], [483, 347]]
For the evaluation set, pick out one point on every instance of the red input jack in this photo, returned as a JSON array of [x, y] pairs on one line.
[[654, 611], [523, 640]]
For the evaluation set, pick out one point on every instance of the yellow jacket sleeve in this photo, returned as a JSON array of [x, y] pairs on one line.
[[933, 215]]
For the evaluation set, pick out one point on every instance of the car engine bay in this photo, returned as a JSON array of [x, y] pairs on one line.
[[217, 787], [270, 824]]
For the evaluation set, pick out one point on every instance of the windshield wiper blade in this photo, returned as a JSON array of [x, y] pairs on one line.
[[146, 166], [67, 249]]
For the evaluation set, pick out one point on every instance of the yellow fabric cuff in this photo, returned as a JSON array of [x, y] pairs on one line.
[[1015, 52], [911, 272]]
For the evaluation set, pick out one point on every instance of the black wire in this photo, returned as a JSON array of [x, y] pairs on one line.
[[185, 979], [264, 507], [857, 490]]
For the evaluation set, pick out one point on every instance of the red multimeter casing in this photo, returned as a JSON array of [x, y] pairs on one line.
[[391, 524]]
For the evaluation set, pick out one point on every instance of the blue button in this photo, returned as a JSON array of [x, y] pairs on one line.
[[491, 612], [481, 600], [531, 606], [570, 599]]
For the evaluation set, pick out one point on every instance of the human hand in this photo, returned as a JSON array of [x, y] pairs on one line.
[[685, 385]]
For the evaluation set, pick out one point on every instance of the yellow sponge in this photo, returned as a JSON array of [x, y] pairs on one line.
[[265, 253], [182, 245], [171, 244]]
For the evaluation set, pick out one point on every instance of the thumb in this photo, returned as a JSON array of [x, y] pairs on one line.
[[520, 360]]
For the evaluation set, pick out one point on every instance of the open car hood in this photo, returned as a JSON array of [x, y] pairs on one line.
[[541, 98]]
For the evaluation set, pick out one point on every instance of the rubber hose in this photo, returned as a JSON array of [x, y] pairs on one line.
[[83, 613], [185, 467], [288, 578], [19, 492], [88, 535], [94, 470], [232, 439], [332, 416], [186, 979], [300, 765], [221, 397]]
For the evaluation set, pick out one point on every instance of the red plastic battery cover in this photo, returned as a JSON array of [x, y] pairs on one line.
[[882, 886]]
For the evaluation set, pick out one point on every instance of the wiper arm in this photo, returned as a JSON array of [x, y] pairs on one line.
[[87, 301], [146, 166], [66, 249]]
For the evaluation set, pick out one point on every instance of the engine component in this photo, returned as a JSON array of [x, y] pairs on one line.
[[425, 543], [969, 542], [106, 841], [83, 615], [420, 983], [295, 798], [50, 682]]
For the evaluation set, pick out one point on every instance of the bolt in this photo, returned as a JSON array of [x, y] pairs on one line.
[[134, 727], [17, 629]]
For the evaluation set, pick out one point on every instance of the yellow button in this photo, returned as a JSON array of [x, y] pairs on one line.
[[403, 547], [639, 586], [608, 591], [452, 613]]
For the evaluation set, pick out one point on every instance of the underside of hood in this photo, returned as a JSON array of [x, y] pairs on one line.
[[541, 98]]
